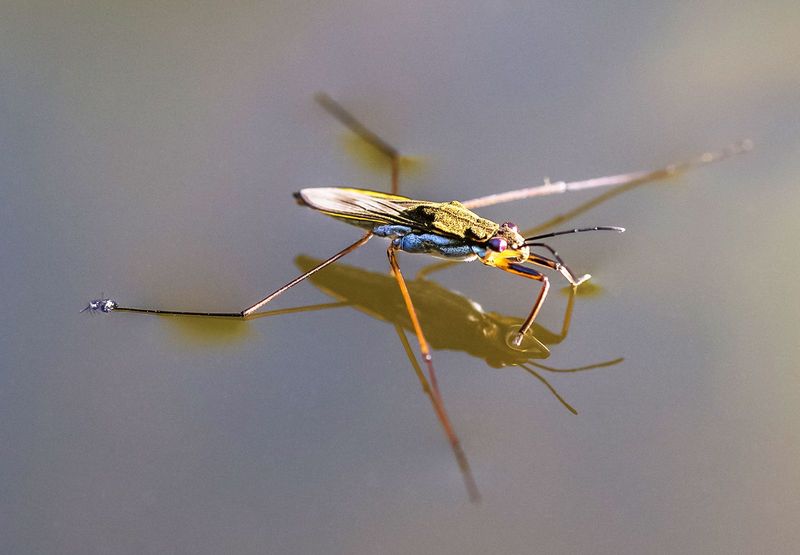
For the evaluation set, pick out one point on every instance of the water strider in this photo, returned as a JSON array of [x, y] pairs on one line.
[[447, 230]]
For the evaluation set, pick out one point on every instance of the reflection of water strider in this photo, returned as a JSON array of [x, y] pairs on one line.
[[451, 320], [448, 230]]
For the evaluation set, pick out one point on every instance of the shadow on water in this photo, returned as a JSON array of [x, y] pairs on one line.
[[200, 332]]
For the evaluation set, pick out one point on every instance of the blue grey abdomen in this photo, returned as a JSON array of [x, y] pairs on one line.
[[406, 240]]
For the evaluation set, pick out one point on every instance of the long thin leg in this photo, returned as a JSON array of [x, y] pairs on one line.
[[247, 312], [412, 313], [353, 124], [543, 335], [103, 305], [621, 179], [520, 270], [455, 443], [444, 420]]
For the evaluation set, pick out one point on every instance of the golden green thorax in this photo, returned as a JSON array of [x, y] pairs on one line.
[[453, 219]]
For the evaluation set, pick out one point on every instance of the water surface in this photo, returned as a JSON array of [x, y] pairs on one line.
[[150, 152]]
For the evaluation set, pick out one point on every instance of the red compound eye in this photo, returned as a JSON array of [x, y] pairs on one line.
[[512, 226], [498, 244]]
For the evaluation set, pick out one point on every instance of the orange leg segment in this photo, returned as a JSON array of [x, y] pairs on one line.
[[435, 395], [520, 270]]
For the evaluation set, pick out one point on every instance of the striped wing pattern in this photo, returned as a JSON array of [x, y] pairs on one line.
[[359, 206], [366, 208]]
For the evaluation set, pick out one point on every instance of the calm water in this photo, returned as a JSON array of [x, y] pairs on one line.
[[150, 152]]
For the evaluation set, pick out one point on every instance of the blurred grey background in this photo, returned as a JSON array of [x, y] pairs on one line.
[[148, 150]]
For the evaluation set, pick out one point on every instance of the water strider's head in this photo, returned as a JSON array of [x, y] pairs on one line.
[[505, 245], [508, 246]]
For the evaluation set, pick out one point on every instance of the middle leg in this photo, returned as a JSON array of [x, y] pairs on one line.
[[435, 394]]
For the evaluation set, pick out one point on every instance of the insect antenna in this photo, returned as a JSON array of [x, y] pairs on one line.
[[529, 240]]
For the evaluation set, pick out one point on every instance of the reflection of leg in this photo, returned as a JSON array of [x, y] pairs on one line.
[[298, 309], [245, 314], [552, 389], [441, 414], [395, 175], [349, 120], [520, 270], [567, 315], [432, 268], [578, 368]]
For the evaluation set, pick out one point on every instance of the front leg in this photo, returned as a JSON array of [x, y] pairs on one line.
[[557, 264], [520, 270]]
